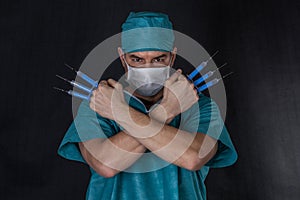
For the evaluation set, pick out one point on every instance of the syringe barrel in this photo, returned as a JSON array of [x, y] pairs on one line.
[[81, 96], [82, 87], [203, 78], [196, 71], [87, 79], [209, 84]]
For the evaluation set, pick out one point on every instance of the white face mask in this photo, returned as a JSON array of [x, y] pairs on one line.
[[147, 81]]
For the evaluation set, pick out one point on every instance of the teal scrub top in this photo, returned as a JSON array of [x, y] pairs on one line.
[[168, 181]]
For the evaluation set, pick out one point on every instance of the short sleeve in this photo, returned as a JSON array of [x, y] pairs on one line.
[[86, 126], [204, 117]]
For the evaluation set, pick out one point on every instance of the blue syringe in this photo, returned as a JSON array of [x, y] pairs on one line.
[[211, 83], [84, 76], [207, 75], [75, 94], [200, 67], [78, 85]]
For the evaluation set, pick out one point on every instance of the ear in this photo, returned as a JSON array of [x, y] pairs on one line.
[[122, 57], [174, 53]]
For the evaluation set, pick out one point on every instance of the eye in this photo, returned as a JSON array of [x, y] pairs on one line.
[[136, 60], [159, 60]]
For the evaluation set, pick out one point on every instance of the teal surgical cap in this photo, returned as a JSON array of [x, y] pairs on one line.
[[147, 31]]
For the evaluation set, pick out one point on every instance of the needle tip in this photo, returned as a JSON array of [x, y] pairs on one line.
[[227, 75], [62, 78], [56, 88], [214, 54], [59, 89], [72, 68], [222, 66]]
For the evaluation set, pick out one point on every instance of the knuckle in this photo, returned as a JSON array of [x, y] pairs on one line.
[[119, 86], [182, 77], [100, 88]]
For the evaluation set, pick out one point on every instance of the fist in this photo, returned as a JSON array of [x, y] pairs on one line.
[[107, 99], [179, 94]]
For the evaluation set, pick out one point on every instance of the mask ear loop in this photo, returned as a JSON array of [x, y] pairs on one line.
[[169, 65], [125, 60], [171, 59], [127, 65]]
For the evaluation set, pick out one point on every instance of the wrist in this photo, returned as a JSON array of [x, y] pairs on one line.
[[137, 124], [169, 110], [162, 114], [121, 113]]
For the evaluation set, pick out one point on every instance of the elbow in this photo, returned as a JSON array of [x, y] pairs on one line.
[[193, 161], [194, 164], [96, 165], [107, 174], [105, 171], [198, 160]]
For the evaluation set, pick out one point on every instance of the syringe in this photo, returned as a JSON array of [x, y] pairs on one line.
[[211, 83], [75, 94], [200, 67], [84, 76], [78, 85], [207, 75]]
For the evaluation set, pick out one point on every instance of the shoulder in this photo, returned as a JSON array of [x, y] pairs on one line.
[[205, 104]]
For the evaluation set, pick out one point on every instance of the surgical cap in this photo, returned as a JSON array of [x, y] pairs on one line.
[[147, 31]]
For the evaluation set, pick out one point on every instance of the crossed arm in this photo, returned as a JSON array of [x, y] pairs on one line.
[[110, 156]]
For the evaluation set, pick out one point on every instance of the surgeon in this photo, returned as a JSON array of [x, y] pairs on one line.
[[152, 136]]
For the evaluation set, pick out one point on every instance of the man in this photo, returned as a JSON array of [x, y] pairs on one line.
[[155, 138]]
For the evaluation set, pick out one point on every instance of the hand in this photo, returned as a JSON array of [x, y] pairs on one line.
[[178, 95], [108, 99]]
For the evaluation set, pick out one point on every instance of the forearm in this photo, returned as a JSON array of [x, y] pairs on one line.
[[181, 148], [110, 156], [171, 144], [160, 114]]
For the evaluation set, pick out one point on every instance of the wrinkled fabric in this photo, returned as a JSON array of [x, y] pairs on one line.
[[147, 81], [168, 182], [147, 31]]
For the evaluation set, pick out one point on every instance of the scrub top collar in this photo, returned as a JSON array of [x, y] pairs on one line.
[[137, 103]]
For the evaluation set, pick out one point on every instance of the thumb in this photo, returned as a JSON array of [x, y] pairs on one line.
[[114, 84], [174, 77]]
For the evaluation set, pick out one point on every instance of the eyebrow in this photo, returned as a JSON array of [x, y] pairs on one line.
[[160, 56], [134, 56]]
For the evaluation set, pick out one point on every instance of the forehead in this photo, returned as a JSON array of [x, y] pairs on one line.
[[148, 54]]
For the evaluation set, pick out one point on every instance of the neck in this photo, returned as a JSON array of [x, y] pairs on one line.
[[148, 101]]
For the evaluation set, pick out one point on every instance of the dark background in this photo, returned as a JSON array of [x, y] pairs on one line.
[[259, 40]]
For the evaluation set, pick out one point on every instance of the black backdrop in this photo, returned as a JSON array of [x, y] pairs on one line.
[[259, 40]]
